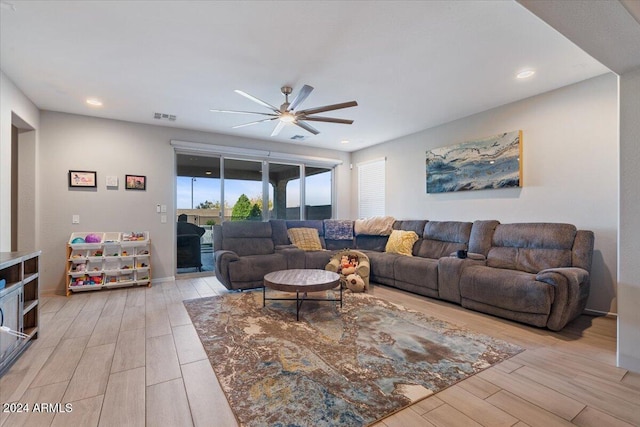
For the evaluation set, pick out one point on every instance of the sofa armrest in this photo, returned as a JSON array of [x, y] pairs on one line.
[[470, 255], [571, 292], [449, 273], [363, 268], [333, 265], [222, 259]]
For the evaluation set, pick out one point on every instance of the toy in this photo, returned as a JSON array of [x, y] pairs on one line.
[[355, 283], [80, 267], [92, 238], [78, 240], [348, 264]]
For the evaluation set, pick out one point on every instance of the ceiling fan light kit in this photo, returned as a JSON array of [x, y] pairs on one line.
[[287, 112]]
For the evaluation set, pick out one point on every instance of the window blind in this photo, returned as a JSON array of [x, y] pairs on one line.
[[371, 188]]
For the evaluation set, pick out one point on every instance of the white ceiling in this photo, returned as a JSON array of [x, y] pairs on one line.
[[410, 65]]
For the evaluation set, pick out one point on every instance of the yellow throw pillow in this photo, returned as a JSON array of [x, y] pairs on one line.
[[401, 242], [306, 239]]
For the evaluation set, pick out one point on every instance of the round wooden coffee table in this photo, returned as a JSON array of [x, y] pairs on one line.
[[301, 281]]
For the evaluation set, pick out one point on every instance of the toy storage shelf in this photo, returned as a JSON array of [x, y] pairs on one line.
[[115, 259], [19, 299]]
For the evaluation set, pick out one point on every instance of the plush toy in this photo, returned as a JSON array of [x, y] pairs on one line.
[[81, 267], [355, 283], [348, 270]]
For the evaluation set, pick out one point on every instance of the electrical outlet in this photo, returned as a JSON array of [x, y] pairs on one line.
[[75, 219], [163, 219]]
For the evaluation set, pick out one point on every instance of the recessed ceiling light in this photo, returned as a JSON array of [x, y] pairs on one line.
[[208, 172], [344, 141], [525, 74], [94, 102]]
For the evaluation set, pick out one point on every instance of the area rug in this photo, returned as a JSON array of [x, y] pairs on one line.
[[347, 366]]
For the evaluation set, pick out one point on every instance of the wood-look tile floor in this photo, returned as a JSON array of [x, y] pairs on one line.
[[131, 357]]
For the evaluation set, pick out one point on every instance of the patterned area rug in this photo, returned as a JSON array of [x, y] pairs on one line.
[[335, 367]]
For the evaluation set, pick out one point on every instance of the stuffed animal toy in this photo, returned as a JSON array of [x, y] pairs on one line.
[[355, 283], [346, 271]]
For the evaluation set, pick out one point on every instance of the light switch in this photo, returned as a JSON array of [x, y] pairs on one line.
[[163, 208], [75, 219], [163, 219]]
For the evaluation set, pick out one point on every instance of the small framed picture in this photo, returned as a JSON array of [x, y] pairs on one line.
[[135, 182], [82, 179]]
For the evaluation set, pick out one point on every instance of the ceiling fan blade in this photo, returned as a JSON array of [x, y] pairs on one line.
[[242, 112], [278, 128], [328, 108], [253, 123], [300, 97], [259, 101], [307, 127], [327, 119]]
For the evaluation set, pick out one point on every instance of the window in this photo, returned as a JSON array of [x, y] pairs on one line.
[[274, 185], [317, 194], [371, 188], [284, 192]]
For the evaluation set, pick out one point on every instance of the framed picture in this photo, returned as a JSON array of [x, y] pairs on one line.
[[82, 179], [484, 163], [135, 182]]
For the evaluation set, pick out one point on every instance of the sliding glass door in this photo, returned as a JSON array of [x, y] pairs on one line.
[[242, 186], [213, 188], [284, 191], [199, 205]]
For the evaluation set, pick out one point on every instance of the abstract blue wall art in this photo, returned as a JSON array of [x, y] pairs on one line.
[[493, 162]]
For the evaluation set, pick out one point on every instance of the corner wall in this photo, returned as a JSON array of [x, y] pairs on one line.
[[571, 149], [629, 265], [13, 101], [111, 147]]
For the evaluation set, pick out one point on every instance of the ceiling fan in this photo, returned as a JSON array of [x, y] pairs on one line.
[[287, 112]]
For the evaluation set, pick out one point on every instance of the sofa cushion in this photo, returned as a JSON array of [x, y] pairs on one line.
[[417, 271], [371, 243], [317, 259], [382, 263], [506, 289], [306, 239], [252, 268], [441, 238], [411, 225], [247, 237], [401, 242], [531, 247]]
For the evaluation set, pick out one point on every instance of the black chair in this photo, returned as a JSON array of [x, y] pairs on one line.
[[188, 242]]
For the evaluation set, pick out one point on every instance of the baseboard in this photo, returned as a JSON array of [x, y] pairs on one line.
[[609, 314], [163, 280], [628, 362]]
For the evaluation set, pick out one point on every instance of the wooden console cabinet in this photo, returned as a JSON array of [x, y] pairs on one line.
[[19, 274]]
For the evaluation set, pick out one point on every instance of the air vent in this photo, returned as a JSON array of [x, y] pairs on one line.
[[163, 116], [298, 137]]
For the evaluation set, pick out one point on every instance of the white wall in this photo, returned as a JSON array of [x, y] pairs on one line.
[[12, 101], [117, 148], [570, 171], [629, 263]]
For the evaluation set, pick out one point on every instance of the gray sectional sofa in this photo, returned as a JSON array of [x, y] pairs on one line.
[[535, 273]]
